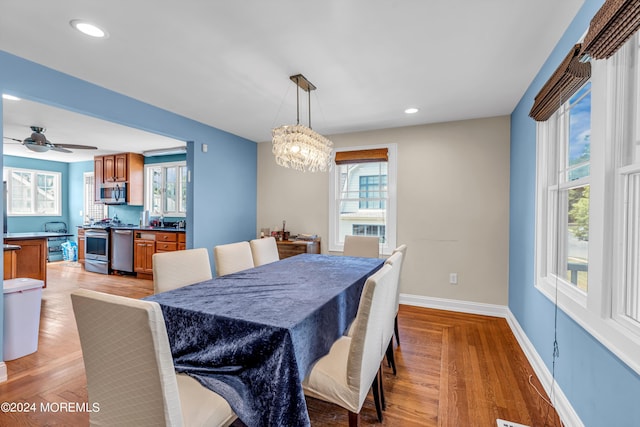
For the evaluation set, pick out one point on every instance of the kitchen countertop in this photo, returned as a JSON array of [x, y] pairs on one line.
[[34, 235], [137, 227]]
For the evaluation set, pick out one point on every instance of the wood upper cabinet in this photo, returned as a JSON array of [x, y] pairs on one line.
[[98, 175], [122, 167], [115, 167]]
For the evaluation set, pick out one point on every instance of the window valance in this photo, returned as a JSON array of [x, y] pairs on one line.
[[565, 81], [611, 27], [362, 156]]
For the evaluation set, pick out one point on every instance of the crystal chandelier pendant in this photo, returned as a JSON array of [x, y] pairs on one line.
[[300, 147]]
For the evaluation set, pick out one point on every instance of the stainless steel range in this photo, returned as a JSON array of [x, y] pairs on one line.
[[96, 252]]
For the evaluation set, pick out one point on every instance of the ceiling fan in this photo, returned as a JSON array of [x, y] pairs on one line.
[[39, 143]]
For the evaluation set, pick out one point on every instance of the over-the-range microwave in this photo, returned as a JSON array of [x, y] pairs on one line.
[[113, 193]]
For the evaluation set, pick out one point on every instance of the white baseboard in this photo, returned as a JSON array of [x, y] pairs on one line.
[[3, 372], [455, 305], [566, 412]]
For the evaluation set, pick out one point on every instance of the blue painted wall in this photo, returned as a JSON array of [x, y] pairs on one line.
[[76, 194], [601, 389], [222, 191]]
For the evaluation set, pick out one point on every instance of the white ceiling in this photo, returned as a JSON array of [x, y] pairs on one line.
[[227, 64]]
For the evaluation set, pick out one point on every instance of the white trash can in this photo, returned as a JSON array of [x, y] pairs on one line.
[[22, 299]]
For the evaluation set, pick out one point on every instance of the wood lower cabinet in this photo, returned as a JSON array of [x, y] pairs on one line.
[[146, 243], [166, 242], [288, 248], [10, 264], [31, 259], [143, 256], [81, 245]]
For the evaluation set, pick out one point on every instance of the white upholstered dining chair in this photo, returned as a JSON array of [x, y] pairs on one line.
[[402, 249], [345, 375], [176, 269], [391, 322], [362, 246], [129, 368], [264, 251], [232, 257]]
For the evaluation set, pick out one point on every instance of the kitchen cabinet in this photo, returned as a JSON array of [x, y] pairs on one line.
[[289, 248], [144, 248], [146, 243], [81, 243], [182, 241], [115, 167], [166, 242], [31, 259], [10, 261], [122, 167], [98, 176]]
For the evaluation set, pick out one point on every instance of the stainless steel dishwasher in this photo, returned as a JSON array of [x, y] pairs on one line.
[[122, 250]]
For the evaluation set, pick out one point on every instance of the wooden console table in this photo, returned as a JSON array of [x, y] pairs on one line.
[[289, 248]]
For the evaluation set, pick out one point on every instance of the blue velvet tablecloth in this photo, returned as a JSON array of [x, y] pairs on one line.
[[252, 336]]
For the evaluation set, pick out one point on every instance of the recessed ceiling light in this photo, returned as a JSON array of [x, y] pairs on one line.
[[10, 97], [411, 110], [88, 28]]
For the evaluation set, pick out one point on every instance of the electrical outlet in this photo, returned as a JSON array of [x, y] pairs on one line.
[[453, 278], [503, 423]]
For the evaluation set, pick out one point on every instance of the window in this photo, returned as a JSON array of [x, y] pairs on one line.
[[588, 204], [92, 210], [626, 307], [33, 192], [566, 186], [369, 230], [363, 196], [166, 189], [372, 188]]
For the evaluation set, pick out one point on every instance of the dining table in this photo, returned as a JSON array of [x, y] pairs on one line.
[[253, 336]]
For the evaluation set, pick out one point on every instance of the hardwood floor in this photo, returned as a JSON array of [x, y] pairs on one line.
[[453, 369]]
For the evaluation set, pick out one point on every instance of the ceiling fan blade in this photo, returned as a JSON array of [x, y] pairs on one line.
[[13, 139], [60, 149], [77, 147]]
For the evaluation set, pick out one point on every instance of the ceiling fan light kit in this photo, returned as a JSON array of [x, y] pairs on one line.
[[299, 147]]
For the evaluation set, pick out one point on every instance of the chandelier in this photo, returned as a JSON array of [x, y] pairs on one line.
[[299, 147]]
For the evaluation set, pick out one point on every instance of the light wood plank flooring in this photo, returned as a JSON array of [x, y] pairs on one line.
[[453, 369]]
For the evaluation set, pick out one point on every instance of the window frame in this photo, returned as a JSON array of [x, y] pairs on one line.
[[180, 188], [57, 178], [554, 132], [390, 224], [89, 199], [598, 311]]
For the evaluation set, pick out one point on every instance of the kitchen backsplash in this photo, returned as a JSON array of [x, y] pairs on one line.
[[131, 214]]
